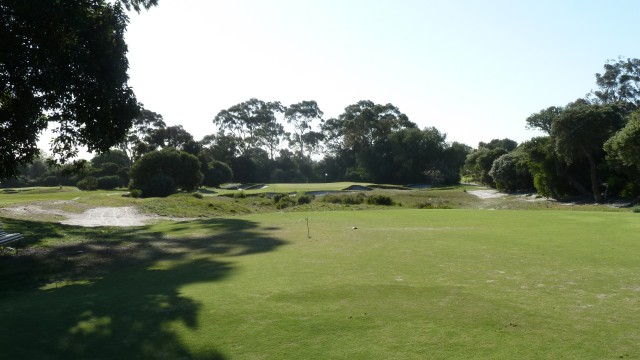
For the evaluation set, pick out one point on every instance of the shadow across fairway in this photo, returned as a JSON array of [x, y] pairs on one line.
[[113, 293]]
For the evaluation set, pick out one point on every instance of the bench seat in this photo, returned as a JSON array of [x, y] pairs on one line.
[[6, 238]]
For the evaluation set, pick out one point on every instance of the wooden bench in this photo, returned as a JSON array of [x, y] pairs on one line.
[[6, 238]]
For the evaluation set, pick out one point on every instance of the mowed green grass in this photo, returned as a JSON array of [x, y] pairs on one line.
[[406, 284]]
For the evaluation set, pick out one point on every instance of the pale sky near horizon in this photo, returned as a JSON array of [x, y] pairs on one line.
[[475, 70]]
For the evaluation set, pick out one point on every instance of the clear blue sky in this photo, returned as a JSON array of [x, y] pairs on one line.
[[473, 69]]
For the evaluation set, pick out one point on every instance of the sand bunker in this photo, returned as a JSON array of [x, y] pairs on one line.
[[487, 194], [108, 216], [101, 216]]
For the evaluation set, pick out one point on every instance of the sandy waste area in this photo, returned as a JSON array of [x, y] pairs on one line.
[[100, 216]]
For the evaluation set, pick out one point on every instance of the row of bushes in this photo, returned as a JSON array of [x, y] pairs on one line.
[[359, 198], [103, 183], [284, 200], [42, 181]]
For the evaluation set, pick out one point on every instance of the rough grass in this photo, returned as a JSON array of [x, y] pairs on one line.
[[406, 284], [211, 204]]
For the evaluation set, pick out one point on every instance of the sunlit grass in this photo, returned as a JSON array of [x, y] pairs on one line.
[[402, 283]]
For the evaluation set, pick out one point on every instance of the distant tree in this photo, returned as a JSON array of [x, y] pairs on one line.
[[138, 5], [543, 163], [580, 133], [107, 169], [269, 137], [363, 123], [551, 172], [222, 147], [136, 143], [478, 163], [507, 145], [251, 167], [217, 173], [192, 147], [543, 119], [624, 145], [453, 159], [113, 156], [63, 63], [415, 156], [313, 141], [623, 153], [291, 167], [572, 156], [359, 138], [36, 168], [301, 116], [252, 122], [175, 137], [619, 83]]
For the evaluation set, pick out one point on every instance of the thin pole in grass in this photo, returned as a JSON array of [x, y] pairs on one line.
[[308, 234]]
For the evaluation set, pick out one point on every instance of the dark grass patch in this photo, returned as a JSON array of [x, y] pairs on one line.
[[358, 188], [388, 187], [105, 293]]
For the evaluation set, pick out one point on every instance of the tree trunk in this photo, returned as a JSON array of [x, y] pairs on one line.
[[595, 184], [570, 179]]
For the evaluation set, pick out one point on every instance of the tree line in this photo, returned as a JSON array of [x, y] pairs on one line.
[[63, 66], [367, 142], [591, 146]]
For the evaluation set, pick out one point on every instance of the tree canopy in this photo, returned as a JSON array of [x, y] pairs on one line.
[[168, 169], [619, 83], [624, 145], [253, 122], [63, 65], [301, 116]]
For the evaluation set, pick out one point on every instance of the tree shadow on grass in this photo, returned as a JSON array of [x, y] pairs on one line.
[[113, 293]]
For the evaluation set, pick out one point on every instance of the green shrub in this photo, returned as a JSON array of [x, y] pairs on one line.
[[181, 167], [160, 186], [198, 195], [239, 195], [304, 199], [636, 209], [424, 205], [50, 181], [14, 183], [278, 197], [433, 204], [630, 190], [217, 173], [284, 202], [109, 182], [88, 183], [351, 199], [135, 193], [379, 200]]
